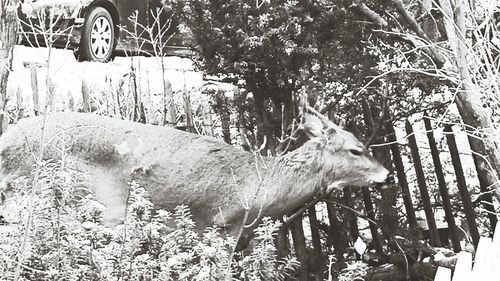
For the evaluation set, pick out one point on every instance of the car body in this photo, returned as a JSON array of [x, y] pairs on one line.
[[96, 30]]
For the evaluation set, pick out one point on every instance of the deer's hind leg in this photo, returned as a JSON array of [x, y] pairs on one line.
[[109, 187], [111, 190]]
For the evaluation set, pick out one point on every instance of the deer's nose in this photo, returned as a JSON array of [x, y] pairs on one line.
[[389, 179], [2, 220]]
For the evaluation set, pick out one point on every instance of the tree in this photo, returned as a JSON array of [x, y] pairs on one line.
[[336, 54], [8, 37], [473, 69]]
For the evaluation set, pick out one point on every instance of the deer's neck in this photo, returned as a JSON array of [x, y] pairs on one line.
[[291, 181]]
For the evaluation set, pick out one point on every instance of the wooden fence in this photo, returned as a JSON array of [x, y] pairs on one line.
[[485, 267]]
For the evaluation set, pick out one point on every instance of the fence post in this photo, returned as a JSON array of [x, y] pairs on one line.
[[370, 213], [313, 223], [424, 192], [349, 216], [463, 267], [462, 185], [299, 243], [222, 109], [388, 211], [388, 214], [188, 112], [85, 96], [483, 268], [401, 173], [19, 102], [337, 235], [443, 274], [443, 189], [34, 88]]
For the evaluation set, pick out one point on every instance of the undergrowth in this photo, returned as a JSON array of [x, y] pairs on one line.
[[68, 241]]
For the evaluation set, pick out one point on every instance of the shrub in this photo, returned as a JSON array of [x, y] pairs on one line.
[[55, 231]]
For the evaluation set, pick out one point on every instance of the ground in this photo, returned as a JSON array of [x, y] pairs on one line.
[[67, 75]]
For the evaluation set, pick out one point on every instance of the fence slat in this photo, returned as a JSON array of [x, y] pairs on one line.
[[486, 262], [422, 185], [482, 261], [463, 268], [461, 184], [400, 172], [443, 274], [443, 186], [495, 258]]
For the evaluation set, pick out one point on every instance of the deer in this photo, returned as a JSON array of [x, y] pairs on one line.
[[221, 184]]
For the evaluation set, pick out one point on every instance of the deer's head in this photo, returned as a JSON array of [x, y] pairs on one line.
[[338, 156]]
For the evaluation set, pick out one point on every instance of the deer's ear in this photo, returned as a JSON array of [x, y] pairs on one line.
[[315, 126]]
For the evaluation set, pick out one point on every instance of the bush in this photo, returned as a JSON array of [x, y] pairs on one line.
[[55, 231]]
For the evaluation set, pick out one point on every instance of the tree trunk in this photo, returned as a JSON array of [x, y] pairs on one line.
[[222, 109], [282, 241], [313, 222], [388, 209], [469, 102], [8, 38], [337, 236], [370, 213], [349, 216], [468, 98], [299, 244]]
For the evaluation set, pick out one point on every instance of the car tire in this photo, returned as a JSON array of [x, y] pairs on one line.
[[97, 41]]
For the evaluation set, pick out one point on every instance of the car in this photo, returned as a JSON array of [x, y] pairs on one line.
[[98, 30]]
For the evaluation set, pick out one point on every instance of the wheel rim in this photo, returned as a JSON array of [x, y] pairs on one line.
[[101, 37]]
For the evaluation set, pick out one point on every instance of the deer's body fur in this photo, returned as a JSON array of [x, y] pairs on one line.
[[214, 179]]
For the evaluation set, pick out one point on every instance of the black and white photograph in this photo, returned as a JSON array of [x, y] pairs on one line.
[[252, 140]]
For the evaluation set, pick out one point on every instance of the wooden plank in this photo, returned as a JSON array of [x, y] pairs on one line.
[[463, 268], [370, 213], [387, 206], [299, 243], [482, 269], [376, 129], [85, 96], [443, 188], [315, 236], [34, 89], [495, 258], [422, 185], [401, 173], [486, 262], [443, 274], [462, 185], [351, 218]]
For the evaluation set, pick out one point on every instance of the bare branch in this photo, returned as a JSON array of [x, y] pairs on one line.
[[369, 13], [412, 23]]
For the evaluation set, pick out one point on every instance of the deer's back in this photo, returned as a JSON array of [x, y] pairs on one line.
[[175, 167]]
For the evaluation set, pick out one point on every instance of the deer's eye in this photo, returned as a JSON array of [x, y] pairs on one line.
[[356, 152]]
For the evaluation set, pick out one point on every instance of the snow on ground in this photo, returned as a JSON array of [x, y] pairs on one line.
[[102, 79]]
